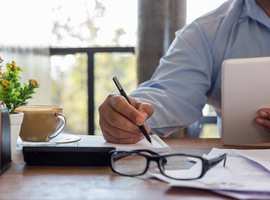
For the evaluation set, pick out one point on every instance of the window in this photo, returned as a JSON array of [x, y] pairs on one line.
[[96, 23], [197, 8]]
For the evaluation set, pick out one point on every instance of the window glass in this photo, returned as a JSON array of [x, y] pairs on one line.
[[91, 23], [197, 8]]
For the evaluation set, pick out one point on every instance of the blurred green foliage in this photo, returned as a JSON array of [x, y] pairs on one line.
[[108, 65], [69, 87], [69, 76]]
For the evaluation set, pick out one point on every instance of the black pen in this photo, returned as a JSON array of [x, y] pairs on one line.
[[122, 92]]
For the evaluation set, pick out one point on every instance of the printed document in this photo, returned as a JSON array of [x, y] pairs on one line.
[[245, 176]]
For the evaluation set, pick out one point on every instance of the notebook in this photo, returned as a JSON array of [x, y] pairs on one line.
[[82, 150], [245, 90]]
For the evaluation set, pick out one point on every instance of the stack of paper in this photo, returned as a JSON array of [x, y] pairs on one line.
[[245, 176]]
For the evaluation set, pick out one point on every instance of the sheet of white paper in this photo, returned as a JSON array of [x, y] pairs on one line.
[[215, 152], [158, 145], [261, 156], [245, 195]]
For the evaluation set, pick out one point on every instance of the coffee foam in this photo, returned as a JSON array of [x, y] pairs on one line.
[[39, 109]]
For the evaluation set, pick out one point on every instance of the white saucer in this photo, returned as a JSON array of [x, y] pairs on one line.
[[62, 138]]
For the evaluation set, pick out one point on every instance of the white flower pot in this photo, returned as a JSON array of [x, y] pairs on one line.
[[16, 120]]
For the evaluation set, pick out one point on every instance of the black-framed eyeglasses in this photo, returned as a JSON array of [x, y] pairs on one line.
[[175, 166]]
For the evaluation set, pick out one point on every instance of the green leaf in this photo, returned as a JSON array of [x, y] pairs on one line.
[[17, 85]]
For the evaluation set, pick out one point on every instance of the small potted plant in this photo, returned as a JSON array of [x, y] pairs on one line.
[[13, 95]]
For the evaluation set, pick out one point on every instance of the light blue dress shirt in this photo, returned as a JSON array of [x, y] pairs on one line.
[[189, 75]]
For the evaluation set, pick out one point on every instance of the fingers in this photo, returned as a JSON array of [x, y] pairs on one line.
[[118, 126], [146, 111], [119, 120], [263, 118], [111, 138], [120, 105]]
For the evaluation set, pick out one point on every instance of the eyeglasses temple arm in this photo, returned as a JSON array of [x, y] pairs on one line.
[[214, 161]]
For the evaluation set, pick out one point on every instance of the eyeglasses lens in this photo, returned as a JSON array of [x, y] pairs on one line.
[[129, 164], [182, 167]]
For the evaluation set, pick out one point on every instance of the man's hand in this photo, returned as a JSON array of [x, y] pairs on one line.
[[119, 120], [263, 118]]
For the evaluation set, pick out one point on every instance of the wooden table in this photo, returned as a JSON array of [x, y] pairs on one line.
[[51, 182]]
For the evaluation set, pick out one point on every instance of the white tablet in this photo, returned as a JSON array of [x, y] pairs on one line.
[[245, 90]]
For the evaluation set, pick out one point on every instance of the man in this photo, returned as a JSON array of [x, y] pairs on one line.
[[189, 75]]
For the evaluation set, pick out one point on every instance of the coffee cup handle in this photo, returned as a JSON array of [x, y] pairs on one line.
[[62, 117]]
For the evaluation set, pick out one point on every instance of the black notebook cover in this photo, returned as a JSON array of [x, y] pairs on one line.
[[67, 156]]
